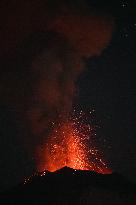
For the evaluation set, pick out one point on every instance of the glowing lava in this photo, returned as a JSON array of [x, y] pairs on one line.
[[70, 145]]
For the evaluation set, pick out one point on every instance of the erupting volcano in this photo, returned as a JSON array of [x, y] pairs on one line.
[[71, 145]]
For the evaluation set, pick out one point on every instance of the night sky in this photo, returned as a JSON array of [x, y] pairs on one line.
[[107, 46], [109, 87]]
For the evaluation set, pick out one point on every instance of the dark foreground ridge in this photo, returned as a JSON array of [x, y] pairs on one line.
[[72, 187]]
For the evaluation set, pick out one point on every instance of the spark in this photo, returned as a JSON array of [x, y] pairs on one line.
[[71, 145]]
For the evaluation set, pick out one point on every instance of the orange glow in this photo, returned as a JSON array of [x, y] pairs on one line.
[[68, 147]]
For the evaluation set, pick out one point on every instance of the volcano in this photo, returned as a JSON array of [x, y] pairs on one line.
[[70, 186]]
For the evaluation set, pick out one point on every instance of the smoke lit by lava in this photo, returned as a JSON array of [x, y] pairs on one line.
[[71, 145]]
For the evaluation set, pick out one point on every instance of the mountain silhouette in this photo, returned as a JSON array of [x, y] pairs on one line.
[[72, 187]]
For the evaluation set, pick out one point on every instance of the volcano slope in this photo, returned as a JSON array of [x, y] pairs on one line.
[[69, 186]]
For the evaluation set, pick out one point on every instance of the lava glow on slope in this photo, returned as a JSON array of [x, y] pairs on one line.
[[70, 145]]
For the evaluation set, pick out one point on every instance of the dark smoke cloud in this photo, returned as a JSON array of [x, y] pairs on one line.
[[74, 18], [38, 80]]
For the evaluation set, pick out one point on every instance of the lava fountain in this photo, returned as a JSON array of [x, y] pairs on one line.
[[70, 145]]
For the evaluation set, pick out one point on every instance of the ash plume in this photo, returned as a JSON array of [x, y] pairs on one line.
[[38, 81]]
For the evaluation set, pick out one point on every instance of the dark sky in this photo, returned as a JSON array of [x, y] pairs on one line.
[[107, 84], [109, 87]]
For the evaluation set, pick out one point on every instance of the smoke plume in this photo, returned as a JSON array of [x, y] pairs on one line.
[[38, 81]]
